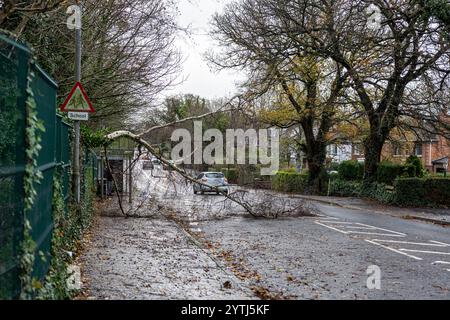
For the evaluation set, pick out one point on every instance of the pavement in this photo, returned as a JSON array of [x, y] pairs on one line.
[[184, 246], [152, 259]]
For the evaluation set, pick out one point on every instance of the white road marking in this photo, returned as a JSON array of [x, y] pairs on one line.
[[360, 228], [424, 251], [394, 250], [413, 243], [376, 234], [339, 222], [441, 243], [378, 228], [329, 227], [440, 262]]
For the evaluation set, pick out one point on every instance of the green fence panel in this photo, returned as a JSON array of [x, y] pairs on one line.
[[41, 218], [15, 67], [13, 84]]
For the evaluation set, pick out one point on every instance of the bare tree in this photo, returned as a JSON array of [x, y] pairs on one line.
[[395, 54], [311, 85], [129, 55]]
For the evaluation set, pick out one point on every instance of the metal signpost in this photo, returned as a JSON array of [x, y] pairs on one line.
[[78, 107], [77, 103]]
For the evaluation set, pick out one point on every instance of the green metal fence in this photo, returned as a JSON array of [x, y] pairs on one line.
[[16, 66], [13, 83]]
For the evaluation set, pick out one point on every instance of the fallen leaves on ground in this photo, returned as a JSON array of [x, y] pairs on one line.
[[265, 294]]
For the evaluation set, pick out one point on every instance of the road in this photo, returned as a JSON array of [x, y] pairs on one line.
[[326, 256]]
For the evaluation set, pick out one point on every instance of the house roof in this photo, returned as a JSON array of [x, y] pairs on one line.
[[443, 160]]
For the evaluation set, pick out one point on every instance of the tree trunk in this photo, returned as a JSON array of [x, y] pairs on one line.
[[315, 155], [372, 151]]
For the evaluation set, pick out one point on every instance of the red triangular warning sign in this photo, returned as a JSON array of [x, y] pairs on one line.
[[77, 100]]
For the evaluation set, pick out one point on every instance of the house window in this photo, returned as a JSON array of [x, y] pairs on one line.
[[356, 149], [397, 151], [332, 149], [418, 149]]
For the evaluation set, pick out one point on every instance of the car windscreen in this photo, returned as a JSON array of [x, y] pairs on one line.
[[215, 175]]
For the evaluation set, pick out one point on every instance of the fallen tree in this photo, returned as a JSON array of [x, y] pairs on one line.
[[261, 209]]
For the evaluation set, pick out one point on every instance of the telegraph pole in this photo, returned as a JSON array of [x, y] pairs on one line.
[[76, 162], [77, 103]]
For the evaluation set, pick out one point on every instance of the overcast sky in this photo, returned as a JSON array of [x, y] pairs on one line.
[[200, 79]]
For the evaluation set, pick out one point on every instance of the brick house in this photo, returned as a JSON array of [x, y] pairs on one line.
[[433, 150]]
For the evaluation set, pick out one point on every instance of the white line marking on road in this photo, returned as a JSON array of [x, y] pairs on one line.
[[394, 250], [414, 243], [329, 227], [440, 262], [375, 233], [441, 243], [378, 228], [424, 251], [340, 222], [361, 228]]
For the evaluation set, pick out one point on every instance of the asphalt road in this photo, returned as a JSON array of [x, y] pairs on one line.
[[332, 255]]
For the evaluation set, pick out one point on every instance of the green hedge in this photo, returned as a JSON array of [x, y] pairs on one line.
[[231, 175], [351, 170], [289, 181], [344, 188], [387, 172], [418, 166], [422, 192], [378, 191], [408, 192]]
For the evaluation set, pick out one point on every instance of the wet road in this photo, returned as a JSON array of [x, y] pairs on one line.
[[321, 257]]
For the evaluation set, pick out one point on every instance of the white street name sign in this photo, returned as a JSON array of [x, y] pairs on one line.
[[79, 116]]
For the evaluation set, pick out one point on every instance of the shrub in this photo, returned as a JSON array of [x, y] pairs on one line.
[[289, 181], [334, 166], [378, 191], [231, 175], [437, 190], [417, 164], [387, 172], [351, 170], [344, 188], [422, 192], [409, 171]]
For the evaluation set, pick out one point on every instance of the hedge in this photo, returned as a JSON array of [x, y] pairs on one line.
[[351, 170], [230, 174], [378, 191], [344, 188], [407, 192], [289, 181], [422, 192], [417, 164], [387, 172]]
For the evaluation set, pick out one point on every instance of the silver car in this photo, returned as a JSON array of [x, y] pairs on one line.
[[215, 179]]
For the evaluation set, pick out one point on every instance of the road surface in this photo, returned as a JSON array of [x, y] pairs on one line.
[[335, 254]]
